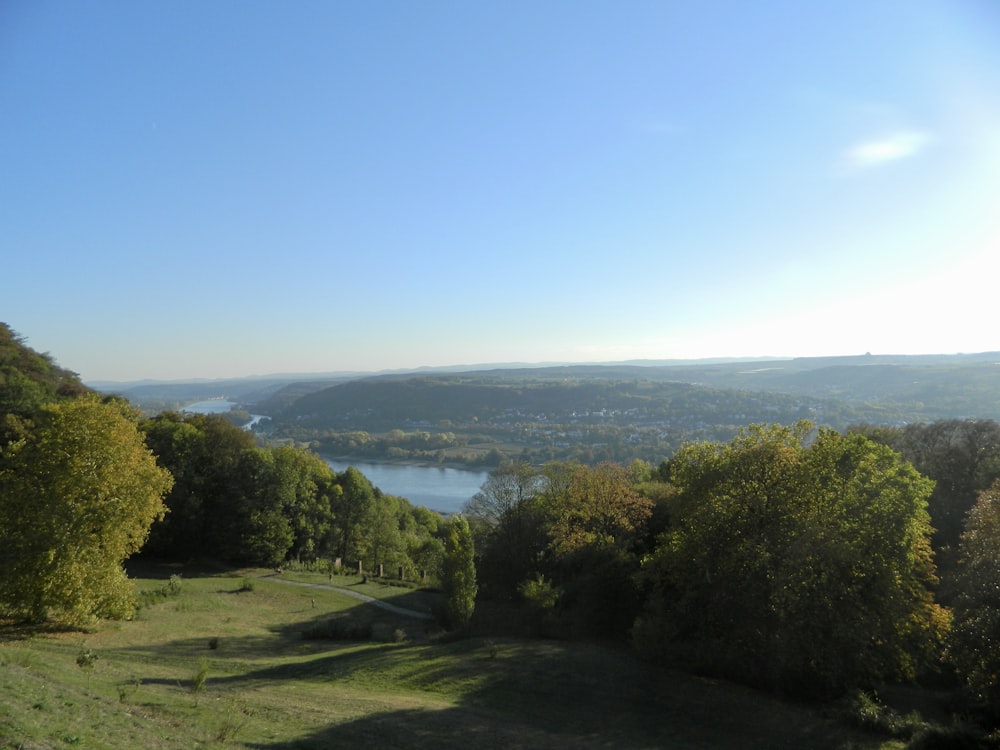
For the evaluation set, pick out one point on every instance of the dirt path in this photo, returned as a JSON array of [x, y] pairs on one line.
[[402, 611]]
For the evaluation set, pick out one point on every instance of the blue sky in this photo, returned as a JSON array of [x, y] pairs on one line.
[[215, 189]]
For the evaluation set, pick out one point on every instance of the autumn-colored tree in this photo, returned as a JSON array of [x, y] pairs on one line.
[[77, 497], [599, 508], [597, 518]]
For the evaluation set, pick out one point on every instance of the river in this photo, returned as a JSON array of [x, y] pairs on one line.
[[212, 406], [442, 489]]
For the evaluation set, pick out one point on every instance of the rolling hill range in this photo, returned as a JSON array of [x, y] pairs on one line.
[[621, 411]]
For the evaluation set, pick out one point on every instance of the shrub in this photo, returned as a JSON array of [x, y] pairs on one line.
[[541, 597], [198, 679], [171, 588], [127, 689], [86, 659]]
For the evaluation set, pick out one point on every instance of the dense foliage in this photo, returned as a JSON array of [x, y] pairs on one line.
[[78, 492], [246, 504], [567, 537], [458, 573], [962, 456], [975, 642], [789, 558], [28, 381], [801, 567], [77, 497]]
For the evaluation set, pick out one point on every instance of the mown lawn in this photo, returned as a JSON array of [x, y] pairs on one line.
[[265, 686]]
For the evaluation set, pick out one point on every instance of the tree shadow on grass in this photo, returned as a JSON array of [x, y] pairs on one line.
[[316, 633], [446, 729], [539, 694], [155, 569], [12, 630]]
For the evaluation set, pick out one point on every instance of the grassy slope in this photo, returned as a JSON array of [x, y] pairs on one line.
[[269, 688]]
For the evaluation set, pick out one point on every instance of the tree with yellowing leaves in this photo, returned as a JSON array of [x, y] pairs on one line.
[[77, 497]]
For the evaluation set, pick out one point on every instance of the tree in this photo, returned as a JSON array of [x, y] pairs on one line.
[[77, 497], [974, 646], [458, 574], [311, 485], [599, 508], [800, 568], [208, 500], [962, 456], [510, 527], [351, 508], [597, 518], [505, 491], [381, 542]]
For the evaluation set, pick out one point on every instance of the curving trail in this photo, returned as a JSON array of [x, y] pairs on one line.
[[402, 611]]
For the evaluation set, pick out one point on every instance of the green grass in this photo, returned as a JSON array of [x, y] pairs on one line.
[[265, 686]]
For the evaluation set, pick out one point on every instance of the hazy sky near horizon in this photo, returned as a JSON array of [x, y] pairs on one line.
[[214, 189]]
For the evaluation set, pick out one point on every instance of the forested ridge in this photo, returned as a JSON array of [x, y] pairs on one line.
[[798, 558], [617, 412]]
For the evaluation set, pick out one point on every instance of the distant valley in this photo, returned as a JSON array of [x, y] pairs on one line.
[[617, 411]]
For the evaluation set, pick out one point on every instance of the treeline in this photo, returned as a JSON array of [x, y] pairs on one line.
[[795, 559], [263, 506]]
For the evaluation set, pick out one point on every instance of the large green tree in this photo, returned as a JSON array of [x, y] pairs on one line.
[[962, 456], [796, 561], [77, 497], [352, 510], [975, 639], [458, 574]]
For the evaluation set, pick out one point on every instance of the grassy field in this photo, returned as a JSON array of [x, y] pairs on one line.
[[224, 663]]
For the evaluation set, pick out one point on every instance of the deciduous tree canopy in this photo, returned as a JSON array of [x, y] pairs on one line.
[[794, 566], [77, 496], [975, 642]]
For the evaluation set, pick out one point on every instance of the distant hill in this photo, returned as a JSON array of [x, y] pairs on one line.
[[622, 411], [564, 397], [155, 397], [596, 411], [911, 388]]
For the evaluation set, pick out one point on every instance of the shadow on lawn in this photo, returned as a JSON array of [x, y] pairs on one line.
[[314, 633], [447, 729], [541, 694]]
